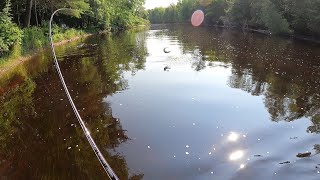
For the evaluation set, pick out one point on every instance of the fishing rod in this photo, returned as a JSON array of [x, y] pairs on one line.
[[107, 168]]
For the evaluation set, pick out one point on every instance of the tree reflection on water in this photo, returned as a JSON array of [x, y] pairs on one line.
[[285, 73], [41, 139], [40, 136]]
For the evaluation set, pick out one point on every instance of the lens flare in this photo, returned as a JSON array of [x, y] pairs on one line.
[[236, 155], [197, 18], [233, 136]]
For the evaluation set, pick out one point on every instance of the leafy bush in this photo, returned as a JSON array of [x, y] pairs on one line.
[[10, 33], [34, 38], [273, 20], [314, 23], [60, 34], [37, 38]]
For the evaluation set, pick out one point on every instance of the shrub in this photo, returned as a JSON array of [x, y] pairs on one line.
[[273, 20], [10, 33], [60, 34], [34, 38]]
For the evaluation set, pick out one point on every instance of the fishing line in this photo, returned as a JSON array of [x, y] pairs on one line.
[[95, 148]]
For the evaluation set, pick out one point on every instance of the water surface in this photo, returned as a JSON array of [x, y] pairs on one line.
[[221, 105]]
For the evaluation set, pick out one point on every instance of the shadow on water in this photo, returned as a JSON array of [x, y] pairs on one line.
[[40, 137]]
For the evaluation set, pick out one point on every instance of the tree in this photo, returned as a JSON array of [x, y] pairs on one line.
[[28, 13], [215, 11], [10, 34], [314, 23], [186, 8], [157, 15], [240, 13], [265, 14], [273, 20]]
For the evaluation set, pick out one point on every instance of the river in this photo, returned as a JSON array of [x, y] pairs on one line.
[[221, 104]]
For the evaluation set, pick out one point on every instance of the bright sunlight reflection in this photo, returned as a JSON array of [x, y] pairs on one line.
[[233, 136], [236, 155]]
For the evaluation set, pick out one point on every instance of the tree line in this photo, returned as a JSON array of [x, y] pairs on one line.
[[18, 15], [104, 13], [275, 16]]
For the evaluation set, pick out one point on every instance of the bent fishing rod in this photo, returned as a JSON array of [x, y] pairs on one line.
[[107, 168]]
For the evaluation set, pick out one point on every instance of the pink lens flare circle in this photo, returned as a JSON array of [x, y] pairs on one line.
[[197, 18]]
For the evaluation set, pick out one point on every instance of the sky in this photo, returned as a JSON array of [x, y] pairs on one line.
[[150, 4]]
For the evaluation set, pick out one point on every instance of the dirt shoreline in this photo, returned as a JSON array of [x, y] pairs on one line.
[[17, 61]]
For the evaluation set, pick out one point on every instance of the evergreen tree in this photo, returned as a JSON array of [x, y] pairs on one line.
[[10, 33]]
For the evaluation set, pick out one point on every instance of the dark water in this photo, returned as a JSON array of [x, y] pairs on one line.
[[231, 106]]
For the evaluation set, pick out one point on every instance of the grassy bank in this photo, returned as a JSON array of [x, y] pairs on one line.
[[24, 27], [35, 39]]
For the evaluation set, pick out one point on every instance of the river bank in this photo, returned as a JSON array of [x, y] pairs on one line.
[[11, 63]]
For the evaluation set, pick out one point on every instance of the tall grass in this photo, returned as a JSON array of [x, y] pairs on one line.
[[67, 34], [14, 54], [36, 38]]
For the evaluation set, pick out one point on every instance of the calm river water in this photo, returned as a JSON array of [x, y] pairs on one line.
[[221, 105]]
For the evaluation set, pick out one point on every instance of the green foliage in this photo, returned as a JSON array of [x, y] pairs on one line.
[[186, 8], [76, 8], [240, 12], [298, 15], [108, 14], [215, 11], [18, 104], [157, 15], [273, 20], [24, 107], [5, 14], [276, 16], [181, 12], [265, 15], [34, 38], [124, 13], [10, 33], [314, 11], [59, 33], [102, 14]]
